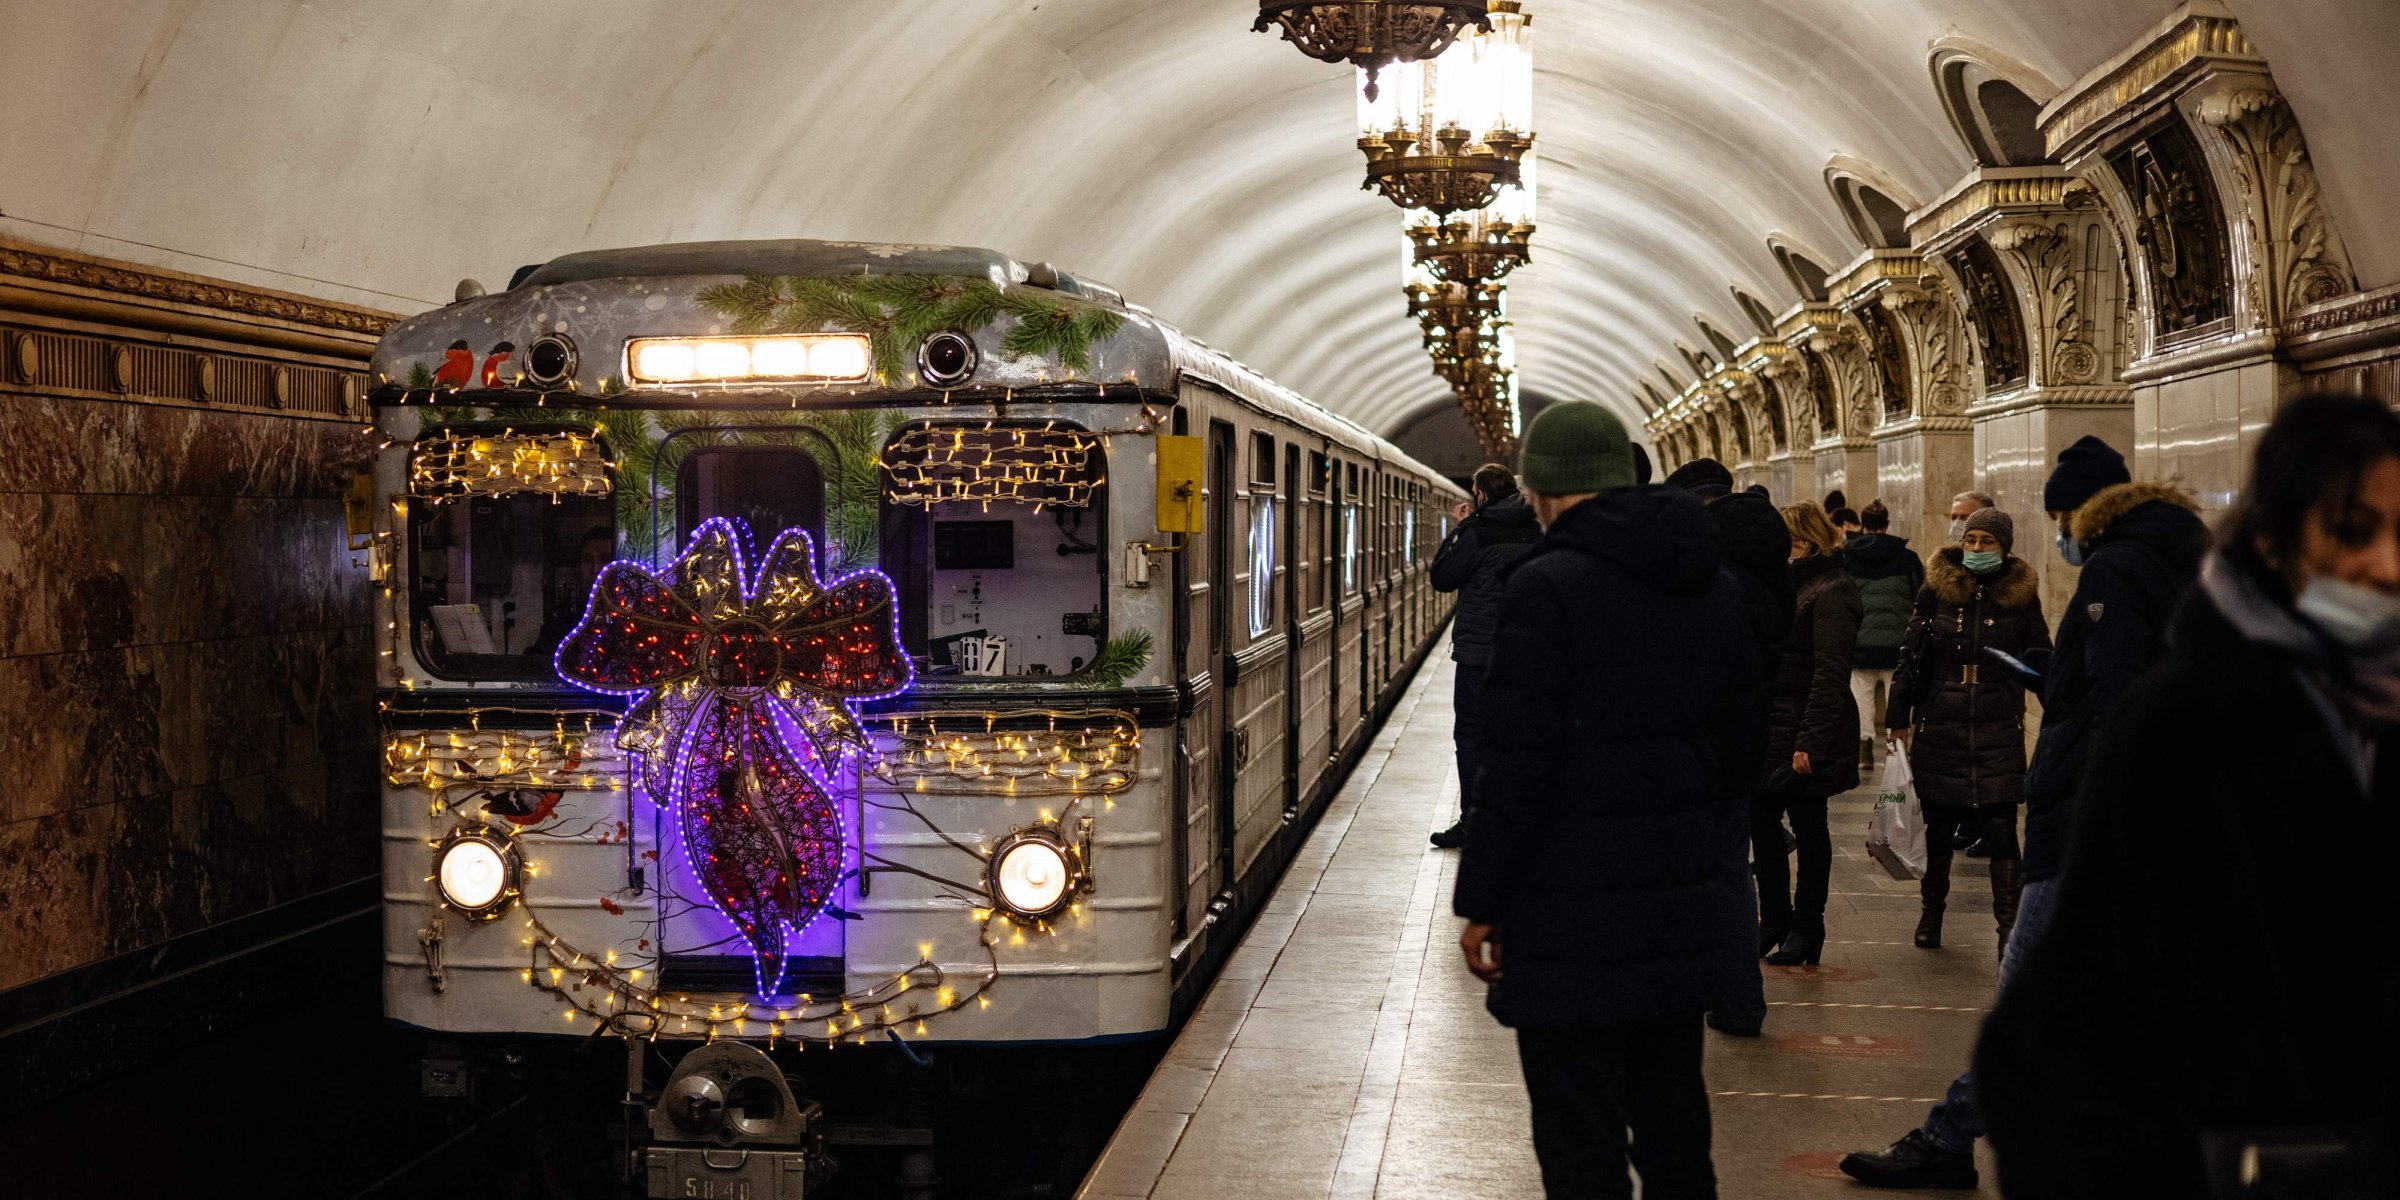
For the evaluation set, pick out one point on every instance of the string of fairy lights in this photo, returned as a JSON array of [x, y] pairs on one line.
[[1045, 467], [446, 467]]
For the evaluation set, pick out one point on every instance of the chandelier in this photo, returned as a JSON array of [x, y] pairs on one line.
[[1372, 34], [1450, 132], [1481, 246]]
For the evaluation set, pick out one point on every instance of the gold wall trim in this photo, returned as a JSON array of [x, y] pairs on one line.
[[1987, 192], [47, 281], [2188, 39]]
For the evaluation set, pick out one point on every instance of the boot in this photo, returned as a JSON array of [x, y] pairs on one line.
[[2008, 878], [1912, 1162], [1771, 936], [1805, 944], [1454, 837], [1934, 890]]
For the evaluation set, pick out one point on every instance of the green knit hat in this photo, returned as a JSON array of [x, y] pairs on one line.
[[1574, 448]]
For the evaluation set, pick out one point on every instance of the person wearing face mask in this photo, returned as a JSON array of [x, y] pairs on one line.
[[1962, 506], [1812, 743], [2140, 546], [2164, 1039], [1962, 715], [2143, 549]]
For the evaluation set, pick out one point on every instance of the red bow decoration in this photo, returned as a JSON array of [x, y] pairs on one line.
[[727, 666]]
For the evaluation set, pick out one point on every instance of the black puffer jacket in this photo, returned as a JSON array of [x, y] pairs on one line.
[[1470, 563], [1813, 710], [2161, 1005], [1889, 575], [1758, 547], [1622, 737], [2143, 543], [1968, 712]]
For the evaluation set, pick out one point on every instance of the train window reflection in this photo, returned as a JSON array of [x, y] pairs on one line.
[[991, 534], [496, 582]]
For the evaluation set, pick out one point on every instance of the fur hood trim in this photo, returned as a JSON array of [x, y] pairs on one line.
[[1952, 583], [2112, 503]]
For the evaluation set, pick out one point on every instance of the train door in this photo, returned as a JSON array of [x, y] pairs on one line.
[[1295, 607], [1216, 724]]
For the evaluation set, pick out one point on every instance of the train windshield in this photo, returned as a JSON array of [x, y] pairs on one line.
[[498, 581], [991, 533]]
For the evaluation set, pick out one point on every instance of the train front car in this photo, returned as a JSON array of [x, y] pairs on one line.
[[770, 659]]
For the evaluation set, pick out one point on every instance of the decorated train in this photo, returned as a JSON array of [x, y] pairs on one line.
[[806, 653]]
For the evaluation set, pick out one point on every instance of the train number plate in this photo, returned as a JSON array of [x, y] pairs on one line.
[[694, 1173]]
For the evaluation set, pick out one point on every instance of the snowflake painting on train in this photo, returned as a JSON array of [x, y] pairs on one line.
[[796, 643]]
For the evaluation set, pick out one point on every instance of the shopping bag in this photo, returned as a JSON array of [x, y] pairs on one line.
[[1896, 829]]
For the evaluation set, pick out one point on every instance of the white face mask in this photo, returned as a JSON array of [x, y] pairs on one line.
[[1958, 529], [2359, 619]]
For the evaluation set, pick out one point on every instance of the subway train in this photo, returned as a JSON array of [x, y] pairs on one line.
[[849, 681]]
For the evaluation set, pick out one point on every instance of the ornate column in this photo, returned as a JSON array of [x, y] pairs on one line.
[[1836, 390], [2036, 273], [1912, 341], [1782, 381], [2198, 167]]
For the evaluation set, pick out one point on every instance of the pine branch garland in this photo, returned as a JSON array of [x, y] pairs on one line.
[[1120, 659]]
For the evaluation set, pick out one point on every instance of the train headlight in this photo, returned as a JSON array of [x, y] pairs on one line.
[[477, 872], [792, 358], [1034, 873]]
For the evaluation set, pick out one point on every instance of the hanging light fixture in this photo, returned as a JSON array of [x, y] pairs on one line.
[[1482, 246], [1372, 34], [1449, 133]]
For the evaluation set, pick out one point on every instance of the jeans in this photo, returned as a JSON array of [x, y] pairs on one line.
[[1957, 1121], [1466, 730], [1591, 1087]]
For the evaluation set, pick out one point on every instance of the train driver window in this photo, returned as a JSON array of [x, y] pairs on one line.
[[991, 534], [497, 581], [768, 489]]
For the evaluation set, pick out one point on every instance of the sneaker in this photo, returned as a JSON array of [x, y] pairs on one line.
[[1912, 1162], [1451, 838]]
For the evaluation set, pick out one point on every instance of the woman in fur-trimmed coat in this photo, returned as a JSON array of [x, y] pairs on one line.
[[1962, 713]]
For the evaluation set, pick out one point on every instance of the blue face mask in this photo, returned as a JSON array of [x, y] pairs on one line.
[[2070, 549], [1984, 562]]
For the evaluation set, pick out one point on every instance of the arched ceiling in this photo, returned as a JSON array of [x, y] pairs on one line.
[[376, 152]]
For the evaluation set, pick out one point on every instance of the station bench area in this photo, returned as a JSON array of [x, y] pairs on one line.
[[1345, 1051]]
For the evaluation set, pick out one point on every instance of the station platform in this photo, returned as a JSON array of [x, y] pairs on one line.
[[1345, 1051]]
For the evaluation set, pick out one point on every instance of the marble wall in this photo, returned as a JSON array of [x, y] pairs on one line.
[[187, 730], [2198, 430]]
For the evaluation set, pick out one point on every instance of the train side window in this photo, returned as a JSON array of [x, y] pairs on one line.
[[1320, 473], [1262, 460], [496, 582], [768, 489], [991, 534], [1262, 563], [1408, 528]]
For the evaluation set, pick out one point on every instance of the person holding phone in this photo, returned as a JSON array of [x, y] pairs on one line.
[[1960, 712]]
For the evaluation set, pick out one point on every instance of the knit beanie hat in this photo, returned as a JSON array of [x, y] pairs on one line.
[[1701, 473], [2083, 470], [1996, 523], [1574, 448]]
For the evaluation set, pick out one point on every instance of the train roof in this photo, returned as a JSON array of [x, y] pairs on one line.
[[662, 286]]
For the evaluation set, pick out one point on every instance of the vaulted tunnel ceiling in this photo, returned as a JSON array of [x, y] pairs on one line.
[[376, 152]]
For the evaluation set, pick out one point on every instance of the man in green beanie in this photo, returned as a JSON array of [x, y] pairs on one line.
[[1621, 741]]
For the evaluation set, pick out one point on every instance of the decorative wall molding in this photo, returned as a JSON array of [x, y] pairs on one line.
[[22, 261], [2186, 44]]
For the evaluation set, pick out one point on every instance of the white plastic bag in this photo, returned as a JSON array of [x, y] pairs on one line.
[[1896, 829]]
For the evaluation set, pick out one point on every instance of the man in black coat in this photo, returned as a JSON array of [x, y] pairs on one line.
[[1489, 537], [1757, 548], [1623, 706], [2140, 546]]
